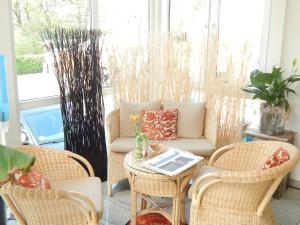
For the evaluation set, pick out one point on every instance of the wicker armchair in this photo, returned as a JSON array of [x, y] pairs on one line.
[[240, 192], [56, 206]]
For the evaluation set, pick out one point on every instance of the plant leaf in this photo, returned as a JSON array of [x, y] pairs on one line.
[[289, 90], [251, 90], [277, 74], [286, 105], [265, 78], [253, 80], [294, 79], [11, 158]]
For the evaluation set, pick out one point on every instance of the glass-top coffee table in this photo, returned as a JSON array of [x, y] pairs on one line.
[[151, 183]]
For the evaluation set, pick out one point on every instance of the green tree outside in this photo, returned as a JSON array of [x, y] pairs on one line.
[[31, 17]]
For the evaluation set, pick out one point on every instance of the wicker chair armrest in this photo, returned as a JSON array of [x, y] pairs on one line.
[[268, 196], [218, 153], [113, 125], [81, 160], [208, 180], [201, 185], [10, 192], [74, 195], [211, 126], [255, 176], [13, 209]]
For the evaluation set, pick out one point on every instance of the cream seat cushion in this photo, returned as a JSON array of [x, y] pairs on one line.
[[87, 186], [190, 122], [127, 109], [203, 171], [200, 147]]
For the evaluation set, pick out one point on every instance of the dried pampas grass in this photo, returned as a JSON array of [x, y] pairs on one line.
[[172, 69]]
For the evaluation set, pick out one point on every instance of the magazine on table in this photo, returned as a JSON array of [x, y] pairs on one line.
[[172, 162]]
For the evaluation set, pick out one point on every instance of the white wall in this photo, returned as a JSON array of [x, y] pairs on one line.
[[290, 50], [7, 49]]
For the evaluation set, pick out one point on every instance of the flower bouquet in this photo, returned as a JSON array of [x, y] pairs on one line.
[[141, 139]]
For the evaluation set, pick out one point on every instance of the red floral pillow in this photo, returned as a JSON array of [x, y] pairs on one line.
[[152, 219], [278, 157], [159, 124], [31, 180]]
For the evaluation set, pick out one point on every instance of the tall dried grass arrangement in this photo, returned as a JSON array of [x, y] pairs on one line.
[[160, 70], [77, 60], [222, 92], [172, 69]]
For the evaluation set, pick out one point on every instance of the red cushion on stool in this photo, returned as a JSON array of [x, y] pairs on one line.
[[152, 219]]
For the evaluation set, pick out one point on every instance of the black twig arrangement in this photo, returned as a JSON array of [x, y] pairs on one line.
[[77, 60]]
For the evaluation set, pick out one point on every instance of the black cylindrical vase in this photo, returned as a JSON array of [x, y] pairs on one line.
[[2, 212]]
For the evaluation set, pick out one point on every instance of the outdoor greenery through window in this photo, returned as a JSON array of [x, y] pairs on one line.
[[35, 76], [125, 24], [31, 16]]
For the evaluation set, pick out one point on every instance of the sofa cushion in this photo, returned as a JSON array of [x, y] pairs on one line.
[[203, 171], [159, 124], [87, 186], [127, 109], [33, 179], [277, 158], [123, 144], [190, 121], [200, 147]]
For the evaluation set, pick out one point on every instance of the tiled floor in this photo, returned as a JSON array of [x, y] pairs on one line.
[[117, 208]]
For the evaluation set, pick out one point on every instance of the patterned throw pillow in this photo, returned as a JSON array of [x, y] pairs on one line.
[[278, 157], [152, 219], [159, 124], [31, 180]]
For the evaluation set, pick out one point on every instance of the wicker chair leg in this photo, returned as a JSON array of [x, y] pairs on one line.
[[143, 203], [176, 211], [109, 189], [182, 211], [133, 207]]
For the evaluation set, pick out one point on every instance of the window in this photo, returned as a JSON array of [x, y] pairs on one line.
[[189, 23], [125, 23], [35, 78], [189, 19], [240, 30]]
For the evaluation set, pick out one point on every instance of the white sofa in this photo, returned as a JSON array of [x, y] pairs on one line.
[[120, 143]]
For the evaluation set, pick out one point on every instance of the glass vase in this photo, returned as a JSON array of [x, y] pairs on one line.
[[138, 151], [138, 154]]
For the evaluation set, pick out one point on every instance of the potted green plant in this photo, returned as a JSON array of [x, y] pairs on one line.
[[273, 89]]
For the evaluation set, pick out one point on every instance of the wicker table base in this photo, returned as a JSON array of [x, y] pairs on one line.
[[147, 182]]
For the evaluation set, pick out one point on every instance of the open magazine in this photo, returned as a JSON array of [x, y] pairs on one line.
[[172, 162]]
